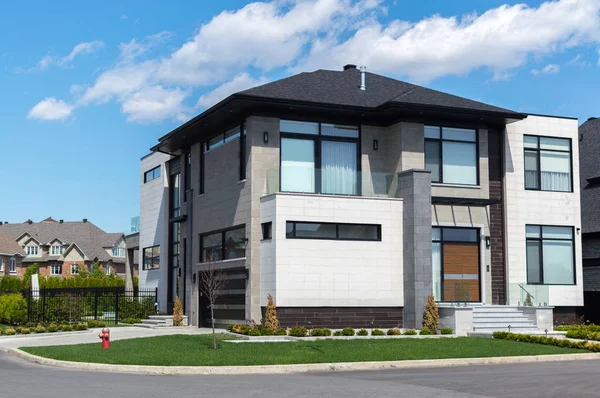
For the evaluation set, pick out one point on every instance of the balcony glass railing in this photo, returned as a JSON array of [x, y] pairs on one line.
[[330, 182], [526, 295]]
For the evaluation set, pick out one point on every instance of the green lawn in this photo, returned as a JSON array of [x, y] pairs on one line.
[[192, 351]]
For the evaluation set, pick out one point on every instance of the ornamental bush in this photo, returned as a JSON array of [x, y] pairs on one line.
[[527, 338], [394, 332], [298, 331], [377, 332], [53, 327], [425, 332], [10, 332], [177, 312], [39, 329], [446, 331], [410, 332], [362, 332], [348, 332], [280, 332], [13, 308], [271, 321], [431, 316], [24, 331], [66, 328], [320, 332], [337, 333]]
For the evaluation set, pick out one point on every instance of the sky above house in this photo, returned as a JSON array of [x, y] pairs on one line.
[[87, 88]]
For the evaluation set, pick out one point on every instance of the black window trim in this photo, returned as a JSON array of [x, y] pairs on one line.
[[269, 225], [152, 173], [440, 142], [222, 233], [201, 174], [144, 257], [541, 240], [317, 139], [337, 231], [539, 161]]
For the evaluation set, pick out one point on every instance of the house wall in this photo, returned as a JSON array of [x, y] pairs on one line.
[[153, 225], [307, 273], [539, 207]]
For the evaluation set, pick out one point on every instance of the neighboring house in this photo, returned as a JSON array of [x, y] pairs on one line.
[[589, 150], [11, 256], [350, 197], [62, 248]]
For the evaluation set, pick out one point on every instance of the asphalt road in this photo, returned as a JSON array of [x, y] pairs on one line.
[[553, 379]]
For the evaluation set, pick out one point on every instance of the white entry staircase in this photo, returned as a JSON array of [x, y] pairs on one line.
[[499, 318]]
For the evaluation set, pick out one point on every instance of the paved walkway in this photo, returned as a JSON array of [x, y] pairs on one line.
[[91, 336]]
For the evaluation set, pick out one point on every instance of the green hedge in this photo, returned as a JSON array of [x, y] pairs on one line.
[[583, 334], [528, 338], [13, 309]]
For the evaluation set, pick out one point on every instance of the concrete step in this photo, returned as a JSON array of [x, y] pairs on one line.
[[498, 308], [506, 320], [144, 325], [515, 329], [154, 321], [497, 314], [502, 325]]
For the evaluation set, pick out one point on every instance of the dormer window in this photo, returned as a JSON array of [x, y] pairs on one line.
[[56, 250], [118, 252], [31, 250]]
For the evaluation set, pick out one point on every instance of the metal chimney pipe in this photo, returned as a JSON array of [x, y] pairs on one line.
[[363, 70]]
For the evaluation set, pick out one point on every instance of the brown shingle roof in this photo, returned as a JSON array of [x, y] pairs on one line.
[[9, 246]]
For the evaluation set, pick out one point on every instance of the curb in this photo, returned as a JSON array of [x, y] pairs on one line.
[[299, 368]]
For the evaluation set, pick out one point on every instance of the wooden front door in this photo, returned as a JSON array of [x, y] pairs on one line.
[[461, 272]]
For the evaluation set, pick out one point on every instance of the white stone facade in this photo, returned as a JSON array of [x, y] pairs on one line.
[[332, 273], [153, 225], [539, 207]]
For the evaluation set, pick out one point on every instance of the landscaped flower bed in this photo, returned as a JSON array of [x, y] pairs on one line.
[[259, 330], [528, 338], [30, 328]]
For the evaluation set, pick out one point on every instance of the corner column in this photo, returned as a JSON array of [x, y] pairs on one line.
[[414, 187]]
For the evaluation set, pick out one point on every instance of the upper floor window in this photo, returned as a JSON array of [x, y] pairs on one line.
[[118, 252], [550, 255], [151, 257], [222, 138], [319, 158], [56, 250], [224, 245], [31, 250], [332, 231], [13, 265], [152, 174], [547, 163], [451, 155]]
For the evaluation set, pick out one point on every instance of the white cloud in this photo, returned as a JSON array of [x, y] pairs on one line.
[[547, 70], [50, 109], [154, 104], [579, 61], [124, 16], [243, 81], [67, 60]]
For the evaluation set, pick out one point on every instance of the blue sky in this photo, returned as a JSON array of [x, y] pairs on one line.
[[87, 89]]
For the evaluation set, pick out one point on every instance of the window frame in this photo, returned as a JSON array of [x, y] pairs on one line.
[[152, 173], [55, 266], [538, 154], [12, 265], [337, 231], [1, 264], [76, 269], [222, 233], [541, 240], [152, 257], [440, 142], [29, 250], [56, 252], [318, 166], [267, 230]]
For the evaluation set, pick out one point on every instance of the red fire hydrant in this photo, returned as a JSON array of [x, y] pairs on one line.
[[104, 335]]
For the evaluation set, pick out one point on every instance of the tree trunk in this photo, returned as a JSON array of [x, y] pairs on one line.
[[212, 317]]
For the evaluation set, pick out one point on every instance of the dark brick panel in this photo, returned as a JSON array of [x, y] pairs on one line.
[[498, 263], [567, 315], [339, 317]]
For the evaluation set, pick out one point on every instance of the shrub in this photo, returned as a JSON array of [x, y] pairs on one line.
[[10, 332], [337, 333], [66, 328], [80, 326], [425, 332], [280, 332], [239, 329], [446, 331], [410, 332], [348, 332], [393, 332], [11, 284], [177, 312], [271, 321], [1, 331], [253, 332], [298, 331], [320, 332], [39, 329], [431, 316], [24, 331], [18, 329], [52, 328], [13, 308], [527, 338], [377, 332], [264, 331], [362, 332], [129, 321], [30, 325]]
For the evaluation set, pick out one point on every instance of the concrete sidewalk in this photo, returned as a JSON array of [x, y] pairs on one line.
[[91, 336]]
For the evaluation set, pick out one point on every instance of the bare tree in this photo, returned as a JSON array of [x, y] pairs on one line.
[[212, 283]]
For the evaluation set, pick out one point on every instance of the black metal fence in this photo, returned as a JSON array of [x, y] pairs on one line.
[[108, 304]]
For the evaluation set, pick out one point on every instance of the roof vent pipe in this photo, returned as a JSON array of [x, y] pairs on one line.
[[61, 221], [85, 220], [363, 70]]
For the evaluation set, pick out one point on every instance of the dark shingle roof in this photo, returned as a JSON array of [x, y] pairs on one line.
[[589, 169], [9, 246], [342, 88], [87, 236]]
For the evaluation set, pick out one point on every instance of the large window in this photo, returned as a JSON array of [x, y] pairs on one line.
[[31, 250], [550, 255], [319, 158], [152, 174], [13, 266], [152, 257], [56, 250], [223, 245], [451, 155], [332, 231], [56, 269], [547, 163], [74, 269]]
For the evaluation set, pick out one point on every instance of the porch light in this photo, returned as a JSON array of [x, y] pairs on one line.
[[266, 137], [488, 242]]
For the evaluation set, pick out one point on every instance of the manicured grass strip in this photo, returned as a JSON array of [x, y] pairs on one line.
[[185, 350]]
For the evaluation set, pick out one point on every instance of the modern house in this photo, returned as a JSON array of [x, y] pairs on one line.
[[62, 248], [350, 197], [589, 148]]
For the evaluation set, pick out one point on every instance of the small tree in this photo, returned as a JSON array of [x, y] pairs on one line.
[[271, 321], [431, 316], [177, 312], [212, 282]]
